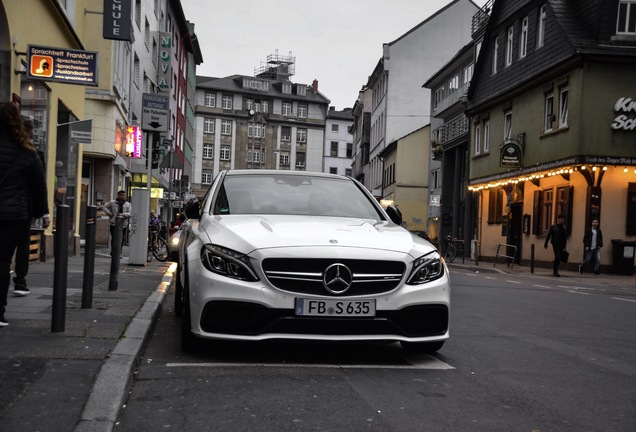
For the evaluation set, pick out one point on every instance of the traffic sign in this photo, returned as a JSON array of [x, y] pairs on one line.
[[155, 114]]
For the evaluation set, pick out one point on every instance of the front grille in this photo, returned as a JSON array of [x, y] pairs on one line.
[[250, 319], [305, 276]]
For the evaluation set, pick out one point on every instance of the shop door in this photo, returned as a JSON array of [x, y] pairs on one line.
[[515, 228]]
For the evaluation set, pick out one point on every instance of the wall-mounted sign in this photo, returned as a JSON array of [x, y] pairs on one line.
[[61, 64], [510, 156], [154, 115], [622, 121], [165, 57], [436, 200], [117, 23], [133, 142]]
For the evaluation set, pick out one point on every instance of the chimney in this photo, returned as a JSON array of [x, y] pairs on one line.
[[314, 85]]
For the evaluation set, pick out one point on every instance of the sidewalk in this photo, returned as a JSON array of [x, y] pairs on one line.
[[76, 379], [567, 275]]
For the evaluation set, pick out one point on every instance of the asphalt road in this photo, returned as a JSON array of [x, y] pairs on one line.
[[526, 354]]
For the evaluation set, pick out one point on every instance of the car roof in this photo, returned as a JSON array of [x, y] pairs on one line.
[[283, 173]]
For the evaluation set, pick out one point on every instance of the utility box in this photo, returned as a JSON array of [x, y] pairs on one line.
[[623, 257]]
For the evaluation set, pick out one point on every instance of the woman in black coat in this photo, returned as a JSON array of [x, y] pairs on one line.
[[22, 192]]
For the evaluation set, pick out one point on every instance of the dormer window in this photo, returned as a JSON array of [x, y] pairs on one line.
[[626, 23], [301, 90], [287, 88]]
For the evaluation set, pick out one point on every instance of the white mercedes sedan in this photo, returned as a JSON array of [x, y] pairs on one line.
[[289, 255]]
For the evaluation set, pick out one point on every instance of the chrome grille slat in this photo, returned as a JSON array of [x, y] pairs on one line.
[[368, 276]]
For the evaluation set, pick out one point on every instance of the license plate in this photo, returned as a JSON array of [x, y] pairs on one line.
[[335, 307]]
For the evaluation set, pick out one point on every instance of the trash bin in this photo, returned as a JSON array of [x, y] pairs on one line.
[[623, 257]]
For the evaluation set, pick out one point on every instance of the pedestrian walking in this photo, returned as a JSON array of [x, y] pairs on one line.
[[22, 192], [593, 242], [118, 208], [23, 251], [557, 236]]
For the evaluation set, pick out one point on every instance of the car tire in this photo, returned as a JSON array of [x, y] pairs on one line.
[[188, 340], [422, 347], [178, 293]]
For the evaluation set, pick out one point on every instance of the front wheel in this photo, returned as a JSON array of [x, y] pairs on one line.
[[160, 249]]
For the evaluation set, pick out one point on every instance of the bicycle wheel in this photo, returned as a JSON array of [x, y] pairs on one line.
[[451, 253], [160, 249]]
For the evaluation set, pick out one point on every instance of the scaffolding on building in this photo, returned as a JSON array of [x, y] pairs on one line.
[[277, 67]]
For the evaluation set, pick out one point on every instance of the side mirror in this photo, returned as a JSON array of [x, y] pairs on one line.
[[394, 214], [191, 209]]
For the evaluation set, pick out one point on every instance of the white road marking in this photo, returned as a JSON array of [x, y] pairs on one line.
[[541, 286], [511, 281], [491, 278], [578, 292], [426, 362], [622, 299]]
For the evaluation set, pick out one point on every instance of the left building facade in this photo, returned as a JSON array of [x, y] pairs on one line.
[[127, 45]]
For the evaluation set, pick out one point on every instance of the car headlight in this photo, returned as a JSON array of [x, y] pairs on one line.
[[426, 268], [227, 262], [174, 241]]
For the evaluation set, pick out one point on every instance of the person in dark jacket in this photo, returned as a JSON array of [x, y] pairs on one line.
[[593, 242], [23, 251], [557, 236], [22, 192]]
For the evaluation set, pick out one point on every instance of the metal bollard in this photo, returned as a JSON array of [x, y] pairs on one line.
[[89, 257], [118, 234], [532, 258], [60, 272]]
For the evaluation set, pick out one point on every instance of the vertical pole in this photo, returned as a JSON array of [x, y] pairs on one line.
[[532, 258], [115, 253], [60, 271], [89, 257]]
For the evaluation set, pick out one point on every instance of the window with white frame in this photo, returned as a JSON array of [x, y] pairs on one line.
[[284, 158], [477, 140], [495, 53], [210, 100], [302, 110], [541, 27], [300, 160], [626, 22], [287, 88], [225, 153], [509, 46], [255, 130], [255, 156], [523, 39], [301, 90], [264, 106], [285, 133], [250, 104], [508, 125], [563, 106], [468, 73], [335, 128], [486, 136], [549, 112], [453, 84], [286, 109], [333, 170], [334, 149], [226, 127], [206, 177], [439, 96], [136, 71], [301, 135], [227, 102], [208, 150], [208, 125]]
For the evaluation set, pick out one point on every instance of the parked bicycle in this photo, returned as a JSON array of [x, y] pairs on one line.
[[157, 245], [451, 249]]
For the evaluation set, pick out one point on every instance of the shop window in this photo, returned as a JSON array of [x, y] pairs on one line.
[[547, 206], [630, 229], [495, 205]]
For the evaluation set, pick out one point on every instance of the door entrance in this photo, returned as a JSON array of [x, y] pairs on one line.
[[515, 229]]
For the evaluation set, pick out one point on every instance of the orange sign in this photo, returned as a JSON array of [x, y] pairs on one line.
[[41, 66]]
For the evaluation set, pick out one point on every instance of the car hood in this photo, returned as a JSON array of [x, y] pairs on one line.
[[246, 233]]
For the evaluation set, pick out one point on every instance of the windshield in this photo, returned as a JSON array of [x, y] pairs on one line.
[[293, 195]]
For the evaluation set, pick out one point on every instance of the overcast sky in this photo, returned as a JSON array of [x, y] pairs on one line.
[[337, 42]]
